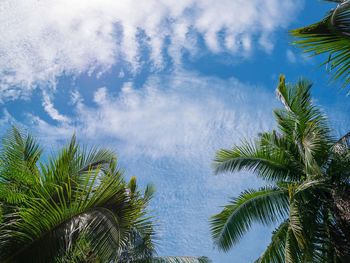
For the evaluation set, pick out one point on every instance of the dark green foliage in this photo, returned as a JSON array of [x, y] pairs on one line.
[[76, 207]]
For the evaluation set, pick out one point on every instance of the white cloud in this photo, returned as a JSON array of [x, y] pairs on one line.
[[51, 110], [100, 95], [41, 40], [75, 97], [183, 115]]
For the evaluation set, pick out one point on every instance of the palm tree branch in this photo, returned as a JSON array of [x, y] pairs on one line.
[[265, 205]]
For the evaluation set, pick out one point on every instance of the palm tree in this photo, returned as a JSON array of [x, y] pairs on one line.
[[331, 35], [76, 207], [307, 172]]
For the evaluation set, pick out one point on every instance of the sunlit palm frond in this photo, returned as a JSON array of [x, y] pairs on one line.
[[303, 124], [300, 117], [75, 161], [138, 245], [19, 155], [342, 146]]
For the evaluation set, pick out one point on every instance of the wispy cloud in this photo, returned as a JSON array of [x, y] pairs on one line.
[[41, 40], [183, 115], [51, 110]]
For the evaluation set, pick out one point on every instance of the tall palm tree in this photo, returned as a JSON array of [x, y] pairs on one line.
[[331, 35], [75, 207], [308, 178]]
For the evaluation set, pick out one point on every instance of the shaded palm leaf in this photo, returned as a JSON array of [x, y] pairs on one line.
[[332, 36], [274, 253], [292, 253], [62, 222]]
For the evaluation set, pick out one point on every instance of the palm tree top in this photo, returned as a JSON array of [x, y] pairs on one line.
[[301, 163], [75, 207]]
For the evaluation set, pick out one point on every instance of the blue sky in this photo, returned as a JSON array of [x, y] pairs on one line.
[[165, 84]]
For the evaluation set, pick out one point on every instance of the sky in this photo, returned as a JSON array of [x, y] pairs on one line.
[[164, 84]]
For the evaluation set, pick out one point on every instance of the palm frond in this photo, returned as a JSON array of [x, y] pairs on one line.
[[303, 123], [296, 226], [266, 205], [309, 185], [77, 211], [270, 164], [330, 35], [97, 207], [292, 253], [308, 167], [18, 166], [274, 253], [339, 161]]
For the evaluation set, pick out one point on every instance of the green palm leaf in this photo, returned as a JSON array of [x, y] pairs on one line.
[[274, 253], [270, 164], [330, 35], [303, 124], [266, 205], [89, 210], [18, 166]]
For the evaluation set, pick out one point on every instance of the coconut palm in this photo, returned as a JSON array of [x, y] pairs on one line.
[[75, 207], [331, 35], [307, 172]]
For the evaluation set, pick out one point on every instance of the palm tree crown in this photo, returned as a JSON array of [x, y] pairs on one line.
[[308, 181], [76, 207]]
